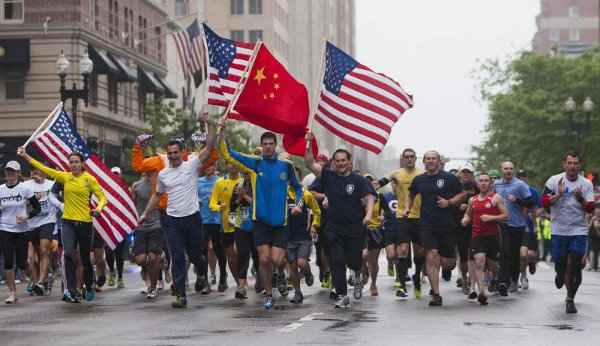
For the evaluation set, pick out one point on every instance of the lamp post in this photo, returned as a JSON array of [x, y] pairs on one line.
[[578, 124], [86, 66]]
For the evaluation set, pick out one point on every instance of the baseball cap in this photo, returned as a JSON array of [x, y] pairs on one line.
[[369, 176], [494, 173], [14, 165], [116, 170], [467, 167], [522, 173]]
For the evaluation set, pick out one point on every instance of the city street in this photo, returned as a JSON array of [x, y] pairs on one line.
[[125, 317]]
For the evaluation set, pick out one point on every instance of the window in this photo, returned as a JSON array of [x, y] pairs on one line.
[[12, 85], [145, 36], [126, 28], [158, 35], [96, 15], [554, 35], [237, 35], [140, 34], [574, 35], [93, 89], [11, 11], [180, 8], [113, 94], [255, 35], [131, 27], [116, 21], [110, 18], [573, 11], [237, 7], [255, 6]]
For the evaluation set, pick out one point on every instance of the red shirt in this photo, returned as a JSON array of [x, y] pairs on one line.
[[480, 207]]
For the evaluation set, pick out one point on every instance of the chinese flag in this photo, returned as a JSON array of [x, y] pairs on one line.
[[274, 100]]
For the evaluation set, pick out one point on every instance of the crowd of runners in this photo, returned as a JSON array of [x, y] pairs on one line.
[[261, 215]]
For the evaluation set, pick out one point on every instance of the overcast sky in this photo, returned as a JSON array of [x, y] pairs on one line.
[[430, 47]]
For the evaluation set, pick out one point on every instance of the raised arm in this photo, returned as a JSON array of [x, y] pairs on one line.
[[309, 159], [57, 175], [205, 154], [245, 163]]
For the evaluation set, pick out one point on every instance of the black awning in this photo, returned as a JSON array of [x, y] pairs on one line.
[[126, 73], [148, 83], [14, 52], [170, 93], [102, 63]]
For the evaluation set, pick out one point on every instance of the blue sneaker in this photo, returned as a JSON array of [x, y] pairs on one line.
[[68, 298], [268, 302], [90, 294]]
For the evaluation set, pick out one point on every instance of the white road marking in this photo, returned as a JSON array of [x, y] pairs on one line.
[[290, 327], [311, 317]]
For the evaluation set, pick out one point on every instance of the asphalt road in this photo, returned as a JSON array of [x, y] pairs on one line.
[[125, 317]]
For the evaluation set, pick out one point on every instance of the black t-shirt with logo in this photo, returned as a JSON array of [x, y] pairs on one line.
[[344, 193], [430, 187]]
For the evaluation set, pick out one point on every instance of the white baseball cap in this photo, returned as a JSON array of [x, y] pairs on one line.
[[116, 170], [14, 165], [467, 167]]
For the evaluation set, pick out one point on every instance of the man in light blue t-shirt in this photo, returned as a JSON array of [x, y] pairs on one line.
[[517, 197]]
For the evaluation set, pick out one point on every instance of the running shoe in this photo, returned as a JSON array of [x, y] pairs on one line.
[[213, 279], [222, 284], [268, 304], [68, 298], [12, 298], [309, 278], [343, 302], [390, 271], [179, 302], [241, 293], [326, 283], [101, 280], [358, 286], [79, 294], [446, 274], [200, 283], [436, 300], [570, 306], [282, 285], [152, 294], [401, 293], [482, 299], [333, 295], [503, 289], [111, 280], [298, 298], [120, 283], [90, 294], [472, 295], [524, 283], [206, 290], [38, 289]]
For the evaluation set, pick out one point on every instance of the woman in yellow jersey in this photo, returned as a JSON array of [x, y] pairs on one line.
[[374, 241], [79, 186]]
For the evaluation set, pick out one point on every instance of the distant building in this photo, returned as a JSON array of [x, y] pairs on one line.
[[567, 27]]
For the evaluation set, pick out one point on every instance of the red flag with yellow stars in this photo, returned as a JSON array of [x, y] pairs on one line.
[[274, 100]]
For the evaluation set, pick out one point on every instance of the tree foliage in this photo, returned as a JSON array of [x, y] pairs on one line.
[[527, 121]]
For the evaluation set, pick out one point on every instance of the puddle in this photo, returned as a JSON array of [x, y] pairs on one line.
[[555, 326]]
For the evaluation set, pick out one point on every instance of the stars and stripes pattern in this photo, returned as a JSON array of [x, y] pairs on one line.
[[191, 52], [60, 139], [358, 104], [227, 61]]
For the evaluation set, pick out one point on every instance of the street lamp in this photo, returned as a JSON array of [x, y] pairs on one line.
[[86, 66], [578, 124]]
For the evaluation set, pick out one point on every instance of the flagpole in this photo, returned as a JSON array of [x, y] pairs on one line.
[[317, 90], [244, 79], [39, 129]]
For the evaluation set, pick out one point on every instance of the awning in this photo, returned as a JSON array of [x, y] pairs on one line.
[[170, 93], [126, 73], [102, 63], [148, 83], [14, 52]]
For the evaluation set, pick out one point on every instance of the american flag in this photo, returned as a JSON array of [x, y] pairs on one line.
[[191, 52], [227, 61], [55, 143], [357, 104]]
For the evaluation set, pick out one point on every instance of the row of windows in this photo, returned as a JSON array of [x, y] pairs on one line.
[[114, 89], [237, 7], [11, 11], [574, 35], [253, 35]]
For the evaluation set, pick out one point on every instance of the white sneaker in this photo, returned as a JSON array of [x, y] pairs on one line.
[[343, 303], [525, 283], [12, 298], [152, 294]]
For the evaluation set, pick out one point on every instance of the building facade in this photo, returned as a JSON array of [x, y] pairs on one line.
[[567, 27], [127, 49]]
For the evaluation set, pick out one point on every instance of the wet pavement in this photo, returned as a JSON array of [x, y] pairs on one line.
[[125, 317]]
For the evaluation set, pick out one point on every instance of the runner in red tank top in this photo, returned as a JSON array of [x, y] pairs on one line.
[[485, 211]]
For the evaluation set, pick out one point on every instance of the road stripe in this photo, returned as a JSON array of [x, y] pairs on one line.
[[290, 327]]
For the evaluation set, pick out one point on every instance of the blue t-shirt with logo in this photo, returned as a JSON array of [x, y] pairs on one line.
[[517, 217]]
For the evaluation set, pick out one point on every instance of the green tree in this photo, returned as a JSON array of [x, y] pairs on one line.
[[527, 121]]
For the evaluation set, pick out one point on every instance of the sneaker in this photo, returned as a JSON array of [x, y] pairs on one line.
[[401, 293], [206, 290], [532, 268], [326, 283], [282, 285], [472, 295], [38, 289], [12, 298], [101, 280], [213, 279], [268, 304], [343, 302], [503, 289], [152, 294], [559, 281], [391, 271], [436, 300], [79, 294], [570, 307], [241, 293], [416, 286], [200, 283], [145, 290], [223, 284], [514, 287], [68, 298], [179, 302], [120, 283], [482, 299], [309, 278], [298, 298], [357, 285], [111, 280], [524, 283], [333, 295], [446, 274], [90, 294]]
